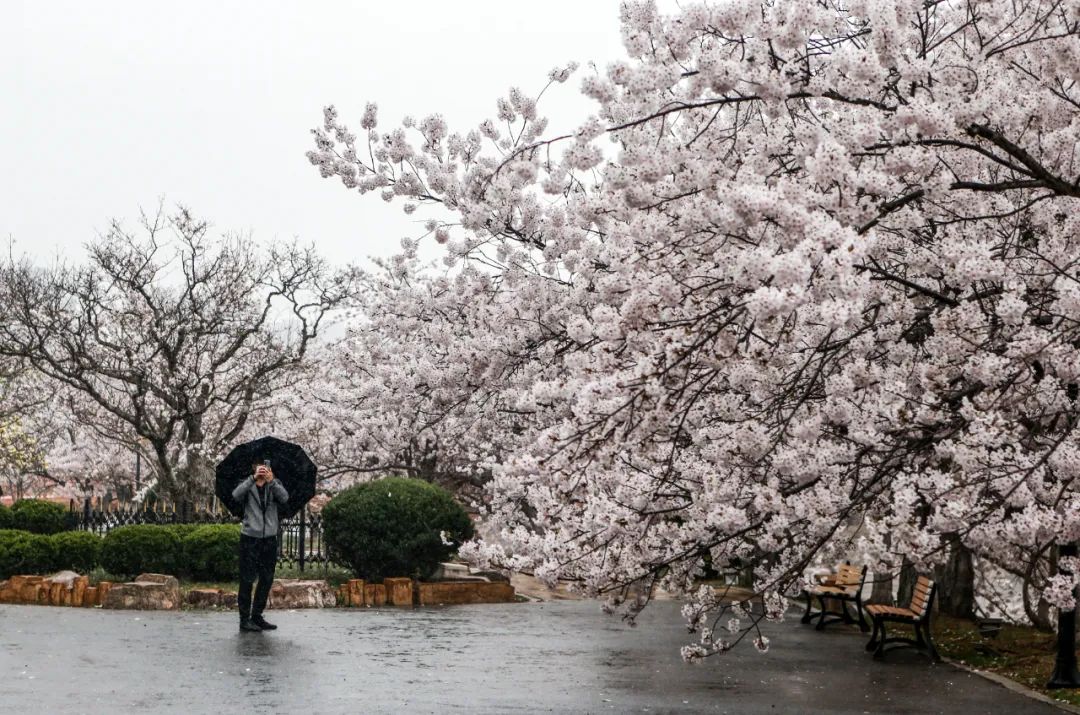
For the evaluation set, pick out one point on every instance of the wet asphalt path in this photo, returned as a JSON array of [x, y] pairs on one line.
[[559, 657]]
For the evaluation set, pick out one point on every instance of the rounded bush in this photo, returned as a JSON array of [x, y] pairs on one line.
[[394, 527], [181, 530], [140, 548], [6, 519], [39, 517], [76, 550], [24, 553], [212, 552]]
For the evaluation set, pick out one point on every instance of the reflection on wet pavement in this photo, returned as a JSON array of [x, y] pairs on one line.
[[559, 657]]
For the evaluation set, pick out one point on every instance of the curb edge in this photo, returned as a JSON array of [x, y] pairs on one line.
[[1010, 684]]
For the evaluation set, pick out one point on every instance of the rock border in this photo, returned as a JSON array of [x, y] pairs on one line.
[[162, 592]]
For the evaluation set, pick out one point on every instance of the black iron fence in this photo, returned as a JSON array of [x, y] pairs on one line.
[[300, 539]]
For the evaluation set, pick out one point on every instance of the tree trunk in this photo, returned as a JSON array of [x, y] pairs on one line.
[[882, 591], [1038, 613], [1065, 673], [907, 583], [956, 582]]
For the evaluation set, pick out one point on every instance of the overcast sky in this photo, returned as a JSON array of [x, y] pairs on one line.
[[107, 106]]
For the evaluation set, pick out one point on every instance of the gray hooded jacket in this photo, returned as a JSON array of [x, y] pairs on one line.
[[260, 506]]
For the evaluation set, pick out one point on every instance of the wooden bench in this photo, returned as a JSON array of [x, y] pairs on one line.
[[916, 614], [842, 587]]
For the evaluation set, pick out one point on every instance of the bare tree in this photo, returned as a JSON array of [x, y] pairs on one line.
[[173, 333]]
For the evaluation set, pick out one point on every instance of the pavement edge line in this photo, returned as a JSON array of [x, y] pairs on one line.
[[1007, 683], [1014, 686]]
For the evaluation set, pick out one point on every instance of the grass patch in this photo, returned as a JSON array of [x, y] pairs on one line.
[[1018, 653]]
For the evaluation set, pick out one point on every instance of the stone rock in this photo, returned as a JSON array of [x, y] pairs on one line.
[[90, 597], [399, 591], [294, 593], [204, 597], [25, 589], [354, 590], [447, 571], [7, 593], [211, 598], [150, 592], [456, 592], [66, 588], [374, 594], [103, 588], [67, 578], [492, 576]]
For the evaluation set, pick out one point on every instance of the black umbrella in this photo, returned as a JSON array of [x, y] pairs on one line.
[[291, 466]]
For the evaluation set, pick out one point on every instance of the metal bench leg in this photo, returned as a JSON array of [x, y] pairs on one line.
[[859, 610], [920, 642], [928, 642], [821, 618], [931, 650], [874, 636], [879, 652]]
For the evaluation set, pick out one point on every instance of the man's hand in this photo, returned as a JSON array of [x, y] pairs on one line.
[[263, 474]]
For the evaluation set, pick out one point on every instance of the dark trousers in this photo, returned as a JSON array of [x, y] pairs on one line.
[[258, 558]]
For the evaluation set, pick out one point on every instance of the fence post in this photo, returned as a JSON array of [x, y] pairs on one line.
[[86, 513], [302, 529]]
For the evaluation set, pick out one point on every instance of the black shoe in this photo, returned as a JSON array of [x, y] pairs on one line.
[[248, 624], [263, 624]]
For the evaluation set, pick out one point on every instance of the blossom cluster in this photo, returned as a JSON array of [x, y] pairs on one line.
[[805, 282]]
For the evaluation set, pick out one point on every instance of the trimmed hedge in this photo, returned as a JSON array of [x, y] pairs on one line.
[[201, 551], [39, 517], [24, 553], [6, 519], [392, 526], [141, 548], [76, 550], [181, 530], [212, 552]]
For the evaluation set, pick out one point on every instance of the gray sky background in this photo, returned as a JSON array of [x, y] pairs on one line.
[[108, 106]]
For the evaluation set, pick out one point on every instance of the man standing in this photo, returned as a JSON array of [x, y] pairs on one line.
[[260, 494]]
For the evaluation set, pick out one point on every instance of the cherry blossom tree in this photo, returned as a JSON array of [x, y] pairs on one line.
[[175, 335], [21, 399], [339, 405], [807, 279]]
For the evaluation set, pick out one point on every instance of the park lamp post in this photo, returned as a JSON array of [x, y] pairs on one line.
[[1066, 674]]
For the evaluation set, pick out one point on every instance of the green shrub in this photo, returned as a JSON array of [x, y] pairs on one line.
[[181, 530], [141, 548], [39, 517], [76, 550], [211, 552], [391, 527], [24, 553], [6, 519]]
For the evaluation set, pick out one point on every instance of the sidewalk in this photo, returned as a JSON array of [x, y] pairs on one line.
[[556, 657]]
